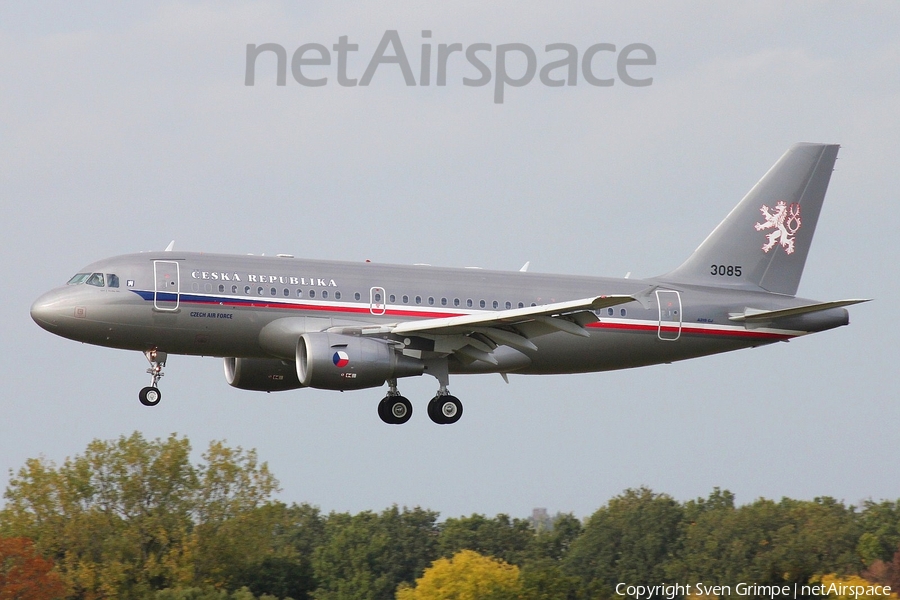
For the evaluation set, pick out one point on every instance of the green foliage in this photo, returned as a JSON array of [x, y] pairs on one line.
[[286, 569], [766, 542], [500, 537], [553, 543], [133, 519], [132, 516], [208, 593], [546, 580], [631, 539], [366, 556], [881, 524]]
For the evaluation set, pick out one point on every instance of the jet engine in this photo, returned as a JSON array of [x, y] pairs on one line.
[[333, 361], [261, 374]]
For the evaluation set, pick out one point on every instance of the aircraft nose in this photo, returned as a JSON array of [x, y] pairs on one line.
[[46, 310]]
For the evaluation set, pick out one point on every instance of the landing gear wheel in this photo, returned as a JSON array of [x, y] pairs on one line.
[[445, 410], [433, 410], [395, 410], [150, 396]]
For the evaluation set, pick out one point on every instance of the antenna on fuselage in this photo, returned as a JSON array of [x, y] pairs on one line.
[[170, 246]]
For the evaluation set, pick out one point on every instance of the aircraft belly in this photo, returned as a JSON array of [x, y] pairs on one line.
[[609, 350]]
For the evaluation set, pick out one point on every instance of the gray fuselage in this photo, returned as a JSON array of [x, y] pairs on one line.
[[228, 306]]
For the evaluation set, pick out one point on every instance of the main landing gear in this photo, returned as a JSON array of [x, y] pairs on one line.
[[443, 409], [150, 396]]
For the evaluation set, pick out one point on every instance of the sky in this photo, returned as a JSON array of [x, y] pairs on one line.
[[127, 125]]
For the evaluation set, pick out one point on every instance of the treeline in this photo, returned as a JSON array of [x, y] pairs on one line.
[[134, 518]]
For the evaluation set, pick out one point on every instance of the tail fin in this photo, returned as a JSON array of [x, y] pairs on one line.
[[764, 241]]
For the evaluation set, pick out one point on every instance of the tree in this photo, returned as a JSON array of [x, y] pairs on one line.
[[545, 580], [881, 525], [25, 575], [467, 575], [286, 569], [553, 543], [766, 542], [365, 556], [132, 516], [632, 538], [502, 537]]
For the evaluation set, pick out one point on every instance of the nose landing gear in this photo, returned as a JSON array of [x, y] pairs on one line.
[[150, 396]]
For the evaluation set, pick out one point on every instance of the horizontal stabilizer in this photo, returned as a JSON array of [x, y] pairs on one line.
[[753, 315]]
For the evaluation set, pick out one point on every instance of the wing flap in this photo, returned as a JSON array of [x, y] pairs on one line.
[[504, 318]]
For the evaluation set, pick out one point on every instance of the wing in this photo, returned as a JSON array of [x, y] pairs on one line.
[[476, 336]]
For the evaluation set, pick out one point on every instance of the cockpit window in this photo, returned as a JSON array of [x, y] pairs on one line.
[[95, 279], [80, 278], [112, 280]]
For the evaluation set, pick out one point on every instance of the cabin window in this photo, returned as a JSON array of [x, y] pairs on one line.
[[273, 292], [430, 300], [221, 288], [405, 299], [469, 302], [456, 302], [521, 305], [299, 293], [443, 302], [533, 304], [496, 304], [247, 289], [392, 298], [508, 305], [481, 303], [418, 299], [609, 311], [337, 295], [623, 312], [234, 289], [324, 293], [287, 292], [356, 296], [312, 293]]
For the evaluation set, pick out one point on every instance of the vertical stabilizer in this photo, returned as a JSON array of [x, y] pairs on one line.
[[764, 241]]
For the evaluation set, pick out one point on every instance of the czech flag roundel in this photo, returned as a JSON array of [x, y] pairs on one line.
[[340, 359]]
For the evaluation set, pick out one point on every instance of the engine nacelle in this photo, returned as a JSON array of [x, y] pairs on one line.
[[333, 361], [261, 374]]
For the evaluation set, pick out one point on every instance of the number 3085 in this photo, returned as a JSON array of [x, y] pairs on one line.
[[725, 270]]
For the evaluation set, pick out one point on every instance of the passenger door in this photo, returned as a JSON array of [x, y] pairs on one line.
[[167, 294]]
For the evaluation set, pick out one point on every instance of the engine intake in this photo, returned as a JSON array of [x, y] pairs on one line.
[[261, 374], [333, 361]]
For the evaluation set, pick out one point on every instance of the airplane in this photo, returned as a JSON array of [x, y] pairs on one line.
[[282, 323]]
